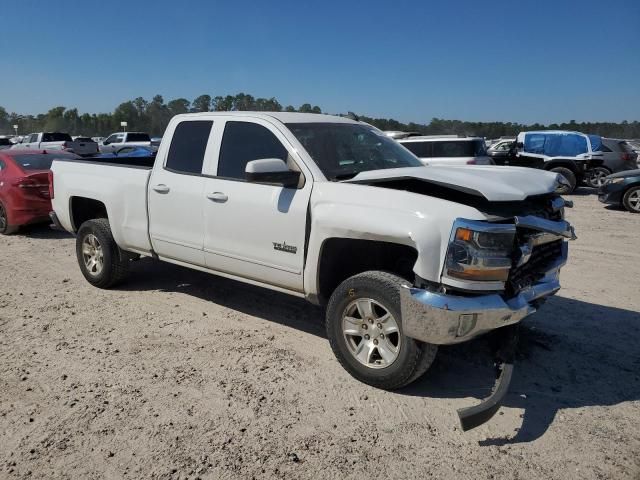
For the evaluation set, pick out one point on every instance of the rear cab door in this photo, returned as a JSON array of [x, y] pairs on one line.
[[255, 231], [176, 192]]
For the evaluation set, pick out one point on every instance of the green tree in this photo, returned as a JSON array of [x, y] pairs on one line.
[[178, 106], [201, 103]]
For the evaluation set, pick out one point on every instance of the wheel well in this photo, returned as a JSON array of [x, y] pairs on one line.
[[83, 209], [562, 163], [341, 258]]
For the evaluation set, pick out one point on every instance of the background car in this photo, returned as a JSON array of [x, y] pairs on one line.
[[622, 189], [130, 152], [24, 187], [448, 150], [618, 156], [5, 143], [501, 148]]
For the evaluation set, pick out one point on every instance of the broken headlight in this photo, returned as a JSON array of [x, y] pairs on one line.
[[480, 251]]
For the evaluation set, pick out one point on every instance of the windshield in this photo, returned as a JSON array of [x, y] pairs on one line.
[[40, 161], [342, 150]]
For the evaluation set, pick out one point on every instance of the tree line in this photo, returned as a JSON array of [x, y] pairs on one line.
[[153, 115]]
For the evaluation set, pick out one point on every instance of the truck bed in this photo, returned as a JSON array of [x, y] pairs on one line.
[[120, 184]]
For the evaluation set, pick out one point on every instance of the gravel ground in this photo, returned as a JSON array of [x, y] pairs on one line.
[[179, 374]]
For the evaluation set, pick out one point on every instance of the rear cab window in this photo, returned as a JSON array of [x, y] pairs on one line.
[[188, 146], [138, 137], [56, 137]]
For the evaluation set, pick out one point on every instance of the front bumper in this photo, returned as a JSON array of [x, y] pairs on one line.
[[611, 193], [444, 319]]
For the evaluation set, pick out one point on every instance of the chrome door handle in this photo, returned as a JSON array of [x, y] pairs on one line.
[[217, 197], [162, 188]]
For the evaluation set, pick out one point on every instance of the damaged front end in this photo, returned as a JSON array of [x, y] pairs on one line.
[[495, 275]]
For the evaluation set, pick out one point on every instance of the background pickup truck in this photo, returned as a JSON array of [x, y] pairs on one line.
[[56, 141], [404, 257], [119, 140]]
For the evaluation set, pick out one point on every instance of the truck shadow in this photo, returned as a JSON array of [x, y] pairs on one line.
[[572, 354], [259, 302]]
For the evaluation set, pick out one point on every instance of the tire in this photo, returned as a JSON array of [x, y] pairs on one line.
[[595, 176], [5, 228], [381, 292], [631, 200], [95, 242], [571, 178]]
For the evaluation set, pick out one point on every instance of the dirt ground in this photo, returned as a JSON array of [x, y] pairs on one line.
[[180, 374]]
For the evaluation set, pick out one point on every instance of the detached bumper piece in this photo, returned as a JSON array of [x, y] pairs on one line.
[[472, 417]]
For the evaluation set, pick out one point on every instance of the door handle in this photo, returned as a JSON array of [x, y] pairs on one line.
[[217, 197], [162, 188]]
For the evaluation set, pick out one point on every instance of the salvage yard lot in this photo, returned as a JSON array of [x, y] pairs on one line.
[[179, 374]]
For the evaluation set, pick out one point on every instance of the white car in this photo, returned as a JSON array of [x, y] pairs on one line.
[[56, 141], [116, 141], [404, 257], [448, 150]]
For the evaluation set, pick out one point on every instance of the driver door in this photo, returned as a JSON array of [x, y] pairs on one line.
[[252, 230]]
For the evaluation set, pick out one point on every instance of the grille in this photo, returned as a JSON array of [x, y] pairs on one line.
[[542, 256]]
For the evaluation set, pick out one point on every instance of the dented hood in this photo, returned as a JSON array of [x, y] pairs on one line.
[[496, 184]]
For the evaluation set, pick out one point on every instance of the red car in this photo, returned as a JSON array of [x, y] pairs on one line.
[[24, 187]]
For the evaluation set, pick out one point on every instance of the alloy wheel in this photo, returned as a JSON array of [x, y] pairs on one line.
[[634, 200], [92, 255], [371, 333]]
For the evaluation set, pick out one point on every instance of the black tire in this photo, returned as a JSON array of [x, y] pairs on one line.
[[595, 176], [413, 358], [115, 264], [5, 228], [571, 178], [630, 200]]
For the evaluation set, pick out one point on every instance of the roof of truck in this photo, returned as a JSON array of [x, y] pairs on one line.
[[284, 117]]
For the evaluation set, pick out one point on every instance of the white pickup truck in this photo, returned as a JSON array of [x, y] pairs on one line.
[[119, 140], [56, 141], [404, 257]]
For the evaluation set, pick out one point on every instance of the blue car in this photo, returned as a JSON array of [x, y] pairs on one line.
[[129, 152]]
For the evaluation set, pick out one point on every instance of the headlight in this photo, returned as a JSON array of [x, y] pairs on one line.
[[480, 251]]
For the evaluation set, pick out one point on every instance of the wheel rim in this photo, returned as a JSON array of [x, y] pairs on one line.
[[634, 200], [92, 254], [597, 177], [371, 333], [3, 218]]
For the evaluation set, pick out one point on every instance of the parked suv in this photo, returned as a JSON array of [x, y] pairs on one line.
[[571, 154], [448, 150], [618, 156]]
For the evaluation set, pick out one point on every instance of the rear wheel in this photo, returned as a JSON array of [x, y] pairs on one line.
[[5, 228], [595, 176], [101, 261], [569, 176], [631, 200], [364, 328]]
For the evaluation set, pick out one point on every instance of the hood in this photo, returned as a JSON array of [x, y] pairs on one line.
[[493, 183], [626, 173]]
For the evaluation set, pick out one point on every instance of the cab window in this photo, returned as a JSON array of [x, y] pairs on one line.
[[243, 142], [188, 144]]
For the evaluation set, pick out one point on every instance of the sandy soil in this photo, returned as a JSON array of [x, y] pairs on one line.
[[179, 374]]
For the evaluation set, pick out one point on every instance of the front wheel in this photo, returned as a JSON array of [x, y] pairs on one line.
[[596, 176], [569, 176], [364, 328], [101, 261], [631, 200]]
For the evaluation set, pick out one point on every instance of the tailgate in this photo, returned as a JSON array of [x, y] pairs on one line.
[[84, 148]]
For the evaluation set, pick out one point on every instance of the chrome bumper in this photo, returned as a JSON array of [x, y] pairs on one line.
[[443, 319]]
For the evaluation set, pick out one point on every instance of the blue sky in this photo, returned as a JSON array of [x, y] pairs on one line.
[[544, 61]]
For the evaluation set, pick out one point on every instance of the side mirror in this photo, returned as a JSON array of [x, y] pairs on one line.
[[273, 171]]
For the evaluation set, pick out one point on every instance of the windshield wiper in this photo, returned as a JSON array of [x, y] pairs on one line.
[[345, 176]]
